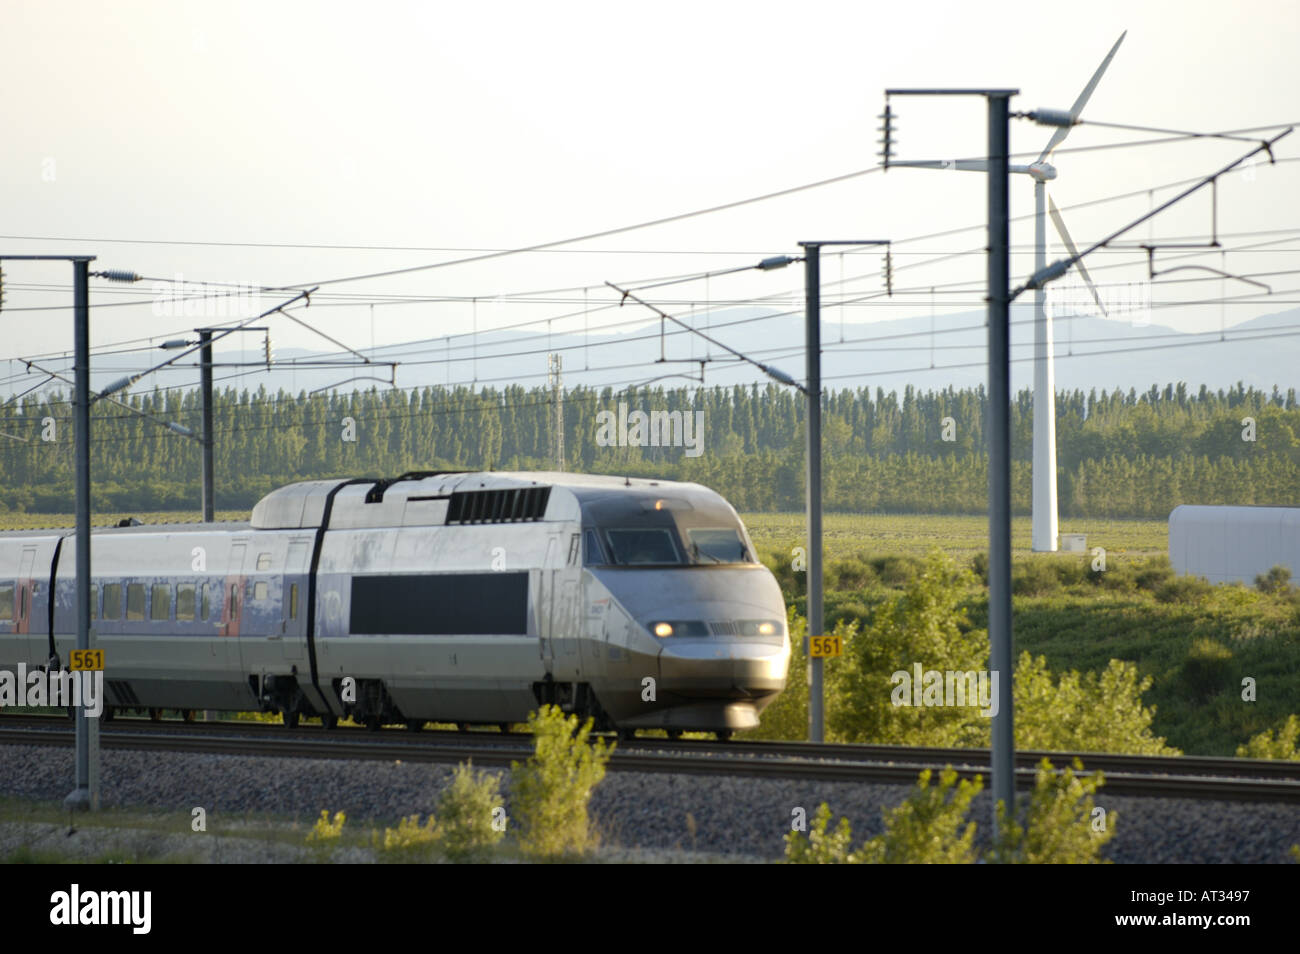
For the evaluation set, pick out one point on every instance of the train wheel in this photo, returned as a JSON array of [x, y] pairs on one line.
[[109, 712], [674, 735], [415, 725], [290, 718], [155, 715], [724, 735], [187, 715], [330, 721], [462, 726], [627, 735], [504, 727], [373, 723]]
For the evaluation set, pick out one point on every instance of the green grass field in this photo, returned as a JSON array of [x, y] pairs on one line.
[[846, 534]]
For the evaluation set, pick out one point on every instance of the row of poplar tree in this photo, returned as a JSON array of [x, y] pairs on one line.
[[1120, 454]]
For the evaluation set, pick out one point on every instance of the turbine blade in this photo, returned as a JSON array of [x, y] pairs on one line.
[[967, 165], [1062, 231], [1062, 131]]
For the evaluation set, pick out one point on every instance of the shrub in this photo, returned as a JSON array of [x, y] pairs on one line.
[[324, 835], [1035, 577], [1276, 580], [1092, 712], [850, 614], [467, 810], [819, 847], [1267, 746], [1183, 589], [924, 625], [1059, 822], [551, 791], [850, 574], [410, 841], [927, 828], [1207, 668]]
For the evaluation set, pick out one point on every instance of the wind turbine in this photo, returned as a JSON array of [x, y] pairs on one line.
[[1045, 524]]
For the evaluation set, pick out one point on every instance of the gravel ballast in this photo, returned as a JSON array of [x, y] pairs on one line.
[[732, 818]]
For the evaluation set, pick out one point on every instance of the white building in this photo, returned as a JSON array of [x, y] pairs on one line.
[[1230, 544]]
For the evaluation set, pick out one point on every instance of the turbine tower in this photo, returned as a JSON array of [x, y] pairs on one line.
[[1045, 524]]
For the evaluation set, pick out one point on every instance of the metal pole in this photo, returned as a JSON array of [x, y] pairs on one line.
[[812, 314], [1044, 530], [205, 363], [82, 797], [999, 425]]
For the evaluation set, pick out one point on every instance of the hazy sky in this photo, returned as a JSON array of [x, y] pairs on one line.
[[454, 126]]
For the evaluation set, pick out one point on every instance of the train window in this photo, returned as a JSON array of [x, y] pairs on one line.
[[185, 602], [206, 609], [6, 601], [112, 601], [23, 591], [650, 545], [234, 600], [260, 590], [593, 555], [94, 601], [160, 606], [722, 545], [575, 544], [264, 561], [135, 601], [293, 600]]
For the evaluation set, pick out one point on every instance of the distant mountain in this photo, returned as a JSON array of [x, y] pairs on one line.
[[928, 354]]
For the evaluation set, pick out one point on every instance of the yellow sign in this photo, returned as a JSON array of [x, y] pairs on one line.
[[825, 647], [86, 660]]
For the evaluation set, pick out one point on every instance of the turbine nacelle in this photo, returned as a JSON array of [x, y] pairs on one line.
[[1041, 171]]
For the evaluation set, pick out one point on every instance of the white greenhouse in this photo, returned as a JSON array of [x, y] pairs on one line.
[[1231, 544]]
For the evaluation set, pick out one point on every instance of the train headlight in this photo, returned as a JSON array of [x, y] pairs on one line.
[[766, 629], [663, 629]]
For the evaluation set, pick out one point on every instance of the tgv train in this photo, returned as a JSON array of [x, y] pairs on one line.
[[451, 597]]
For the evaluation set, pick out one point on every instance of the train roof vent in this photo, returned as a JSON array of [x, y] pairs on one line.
[[498, 506]]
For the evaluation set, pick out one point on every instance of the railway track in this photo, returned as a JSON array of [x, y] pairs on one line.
[[1177, 777]]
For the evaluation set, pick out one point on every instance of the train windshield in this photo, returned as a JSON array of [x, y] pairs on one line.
[[641, 546], [721, 545], [660, 546]]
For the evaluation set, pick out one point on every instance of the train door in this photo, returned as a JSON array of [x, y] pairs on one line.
[[562, 590], [23, 606], [232, 599], [291, 599]]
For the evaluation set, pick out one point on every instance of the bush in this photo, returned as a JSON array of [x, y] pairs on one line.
[[410, 841], [1267, 746], [927, 828], [324, 835], [925, 625], [1276, 580], [1035, 577], [931, 826], [1184, 589], [551, 791], [1207, 668], [1059, 822], [1092, 712], [820, 847], [467, 815], [850, 574]]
